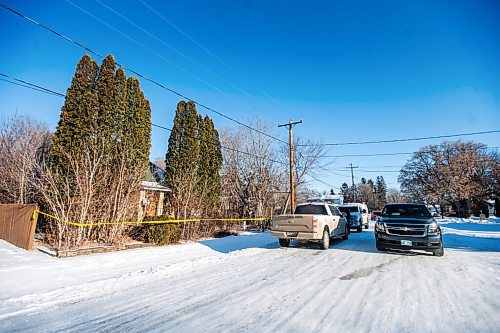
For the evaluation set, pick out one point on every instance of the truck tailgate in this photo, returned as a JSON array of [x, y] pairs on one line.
[[302, 223]]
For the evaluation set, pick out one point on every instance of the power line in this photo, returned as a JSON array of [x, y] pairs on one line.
[[151, 50], [39, 88], [139, 74], [379, 171], [402, 140], [176, 27], [30, 85], [27, 86], [227, 148], [323, 182], [387, 154], [368, 155], [158, 39], [55, 93]]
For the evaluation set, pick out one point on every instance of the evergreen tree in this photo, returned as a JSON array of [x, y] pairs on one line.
[[193, 162], [137, 129], [77, 122], [344, 189], [101, 143], [181, 160], [119, 120], [106, 92], [381, 189], [215, 163], [204, 161]]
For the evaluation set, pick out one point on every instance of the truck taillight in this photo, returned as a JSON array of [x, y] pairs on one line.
[[315, 222]]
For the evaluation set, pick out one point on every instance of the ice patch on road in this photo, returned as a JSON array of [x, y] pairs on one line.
[[364, 272]]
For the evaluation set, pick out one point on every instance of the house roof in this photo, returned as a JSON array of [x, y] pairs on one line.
[[154, 186]]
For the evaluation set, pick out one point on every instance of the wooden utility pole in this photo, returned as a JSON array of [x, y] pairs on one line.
[[292, 185], [352, 176]]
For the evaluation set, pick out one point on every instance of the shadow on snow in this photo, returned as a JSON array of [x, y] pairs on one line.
[[262, 240], [365, 241]]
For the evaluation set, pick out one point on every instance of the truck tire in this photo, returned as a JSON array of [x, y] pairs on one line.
[[284, 242], [439, 252], [380, 248], [325, 241], [346, 233], [366, 226]]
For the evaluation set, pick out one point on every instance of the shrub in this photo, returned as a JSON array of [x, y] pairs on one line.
[[162, 234]]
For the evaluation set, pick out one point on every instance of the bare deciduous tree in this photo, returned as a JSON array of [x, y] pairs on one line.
[[89, 191], [256, 179], [395, 196], [459, 174], [253, 179], [23, 142]]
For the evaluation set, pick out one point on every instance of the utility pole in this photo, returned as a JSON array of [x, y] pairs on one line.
[[352, 176], [292, 185]]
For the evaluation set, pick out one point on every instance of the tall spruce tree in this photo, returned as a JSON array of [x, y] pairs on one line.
[[138, 123], [120, 102], [204, 158], [381, 189], [77, 122], [193, 162], [106, 92], [181, 160], [105, 116], [215, 165], [210, 163]]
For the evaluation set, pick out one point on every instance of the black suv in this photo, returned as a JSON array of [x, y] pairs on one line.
[[408, 227]]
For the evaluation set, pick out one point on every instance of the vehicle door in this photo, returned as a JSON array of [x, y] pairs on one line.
[[337, 227], [342, 221], [364, 212]]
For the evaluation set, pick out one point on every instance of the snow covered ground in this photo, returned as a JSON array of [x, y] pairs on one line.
[[248, 283]]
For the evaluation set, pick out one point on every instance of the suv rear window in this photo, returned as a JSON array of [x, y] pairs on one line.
[[311, 209], [352, 209], [406, 211]]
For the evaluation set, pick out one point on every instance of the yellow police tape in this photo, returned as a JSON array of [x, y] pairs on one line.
[[92, 224]]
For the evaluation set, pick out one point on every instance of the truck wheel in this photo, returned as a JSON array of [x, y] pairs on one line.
[[380, 248], [439, 252], [366, 226], [284, 242], [325, 241], [346, 234]]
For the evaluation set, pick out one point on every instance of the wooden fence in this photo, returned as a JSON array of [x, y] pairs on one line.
[[17, 225]]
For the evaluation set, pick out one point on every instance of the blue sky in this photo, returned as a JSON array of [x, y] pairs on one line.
[[351, 70]]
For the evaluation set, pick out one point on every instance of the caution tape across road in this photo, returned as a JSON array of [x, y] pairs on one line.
[[169, 221]]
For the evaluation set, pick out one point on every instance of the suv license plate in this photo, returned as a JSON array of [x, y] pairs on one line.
[[406, 242]]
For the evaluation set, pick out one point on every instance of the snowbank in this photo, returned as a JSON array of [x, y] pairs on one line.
[[248, 283]]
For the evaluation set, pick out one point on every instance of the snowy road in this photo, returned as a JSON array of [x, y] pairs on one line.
[[248, 283]]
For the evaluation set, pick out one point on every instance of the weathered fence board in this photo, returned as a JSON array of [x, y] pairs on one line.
[[17, 225]]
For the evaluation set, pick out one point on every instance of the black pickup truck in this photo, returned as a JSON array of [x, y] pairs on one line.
[[408, 227]]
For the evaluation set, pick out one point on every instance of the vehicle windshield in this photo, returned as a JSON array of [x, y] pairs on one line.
[[406, 211], [311, 209], [352, 209]]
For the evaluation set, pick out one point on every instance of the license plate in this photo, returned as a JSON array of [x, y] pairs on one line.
[[406, 242]]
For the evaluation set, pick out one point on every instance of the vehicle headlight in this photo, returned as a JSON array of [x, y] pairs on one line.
[[433, 229], [379, 226]]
